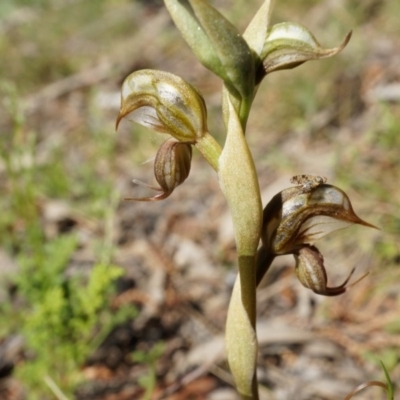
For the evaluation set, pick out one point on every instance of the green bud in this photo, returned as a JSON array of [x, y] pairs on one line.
[[164, 103]]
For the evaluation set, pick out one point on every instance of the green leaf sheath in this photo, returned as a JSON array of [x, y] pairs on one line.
[[239, 183]]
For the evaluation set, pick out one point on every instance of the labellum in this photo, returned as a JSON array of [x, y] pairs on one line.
[[171, 168]]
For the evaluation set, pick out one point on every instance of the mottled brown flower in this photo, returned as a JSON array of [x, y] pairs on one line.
[[298, 216]]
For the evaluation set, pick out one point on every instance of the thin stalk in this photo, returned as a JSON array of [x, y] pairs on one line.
[[54, 388], [210, 150]]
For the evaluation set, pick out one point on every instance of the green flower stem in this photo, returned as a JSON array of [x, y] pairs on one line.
[[241, 337], [244, 111], [241, 106], [210, 149]]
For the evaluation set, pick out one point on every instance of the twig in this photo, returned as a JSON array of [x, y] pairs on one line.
[[54, 388]]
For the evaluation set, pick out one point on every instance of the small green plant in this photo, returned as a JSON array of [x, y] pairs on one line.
[[149, 358], [387, 387], [62, 317], [296, 217], [68, 317]]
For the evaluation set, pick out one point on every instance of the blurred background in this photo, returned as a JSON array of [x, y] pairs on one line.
[[101, 298]]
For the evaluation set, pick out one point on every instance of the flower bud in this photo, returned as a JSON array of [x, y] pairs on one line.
[[171, 168], [164, 103]]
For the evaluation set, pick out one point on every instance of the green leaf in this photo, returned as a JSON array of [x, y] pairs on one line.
[[195, 36], [390, 387], [216, 43], [239, 183]]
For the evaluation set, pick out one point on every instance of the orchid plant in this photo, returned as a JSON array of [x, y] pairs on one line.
[[296, 217]]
